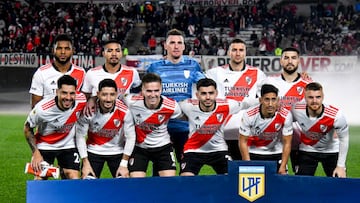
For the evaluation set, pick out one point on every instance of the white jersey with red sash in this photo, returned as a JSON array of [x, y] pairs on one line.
[[44, 82], [207, 128], [108, 133], [238, 85], [126, 78], [317, 133], [265, 134], [55, 127], [151, 124], [289, 92]]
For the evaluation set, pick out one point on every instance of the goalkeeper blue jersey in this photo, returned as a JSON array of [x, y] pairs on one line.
[[177, 83]]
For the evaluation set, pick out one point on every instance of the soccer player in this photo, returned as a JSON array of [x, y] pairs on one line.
[[266, 131], [126, 78], [239, 81], [55, 119], [291, 85], [318, 123], [179, 75], [44, 81], [152, 112], [110, 134], [207, 116]]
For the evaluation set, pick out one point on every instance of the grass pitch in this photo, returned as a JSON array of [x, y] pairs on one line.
[[15, 152]]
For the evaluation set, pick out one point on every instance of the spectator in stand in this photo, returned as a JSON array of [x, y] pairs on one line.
[[152, 44]]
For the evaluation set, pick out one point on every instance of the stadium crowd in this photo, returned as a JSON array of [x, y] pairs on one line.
[[328, 30]]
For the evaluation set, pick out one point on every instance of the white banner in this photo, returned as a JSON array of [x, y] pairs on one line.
[[85, 61], [309, 64], [29, 60]]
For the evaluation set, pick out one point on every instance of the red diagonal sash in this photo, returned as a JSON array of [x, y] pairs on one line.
[[199, 138], [147, 126], [243, 84], [110, 126], [68, 125], [323, 126]]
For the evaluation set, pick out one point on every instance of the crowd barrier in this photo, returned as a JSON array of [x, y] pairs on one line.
[[254, 181]]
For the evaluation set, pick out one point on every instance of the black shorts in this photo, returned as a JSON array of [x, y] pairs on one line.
[[97, 163], [66, 158], [194, 161], [308, 162], [162, 157]]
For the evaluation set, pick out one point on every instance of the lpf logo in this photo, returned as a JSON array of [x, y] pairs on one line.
[[251, 182]]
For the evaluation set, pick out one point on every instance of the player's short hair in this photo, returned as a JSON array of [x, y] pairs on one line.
[[111, 41], [175, 32], [205, 82], [268, 88], [151, 77], [62, 37], [237, 40], [107, 83], [290, 49], [315, 86], [66, 80]]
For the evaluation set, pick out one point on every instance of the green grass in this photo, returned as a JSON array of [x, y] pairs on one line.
[[15, 153]]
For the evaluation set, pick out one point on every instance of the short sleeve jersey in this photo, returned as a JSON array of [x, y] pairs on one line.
[[44, 81], [178, 83], [207, 128], [317, 134], [289, 92], [177, 79], [237, 85], [151, 124], [55, 127], [108, 132], [126, 78], [265, 134]]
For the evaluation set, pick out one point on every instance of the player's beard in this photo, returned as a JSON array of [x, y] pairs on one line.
[[67, 103], [114, 64], [237, 62], [62, 62], [290, 71]]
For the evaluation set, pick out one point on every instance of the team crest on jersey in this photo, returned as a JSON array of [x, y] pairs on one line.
[[277, 126], [251, 182], [219, 117], [117, 122], [124, 81], [186, 73], [323, 128], [226, 80], [161, 118], [197, 118], [300, 90], [248, 80]]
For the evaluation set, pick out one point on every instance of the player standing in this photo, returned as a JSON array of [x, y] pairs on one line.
[[179, 75], [207, 117], [266, 131], [239, 81], [54, 118], [291, 85], [126, 78], [44, 81], [152, 112], [110, 134], [318, 123]]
